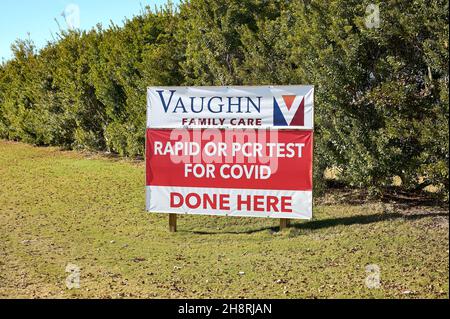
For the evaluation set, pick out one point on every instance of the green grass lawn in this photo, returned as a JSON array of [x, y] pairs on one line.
[[59, 208]]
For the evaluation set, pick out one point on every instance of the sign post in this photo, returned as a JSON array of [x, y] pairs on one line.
[[173, 223], [284, 223], [230, 151]]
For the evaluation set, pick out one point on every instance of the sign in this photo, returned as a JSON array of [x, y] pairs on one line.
[[235, 151]]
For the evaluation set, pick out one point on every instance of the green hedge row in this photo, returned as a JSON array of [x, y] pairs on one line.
[[381, 85]]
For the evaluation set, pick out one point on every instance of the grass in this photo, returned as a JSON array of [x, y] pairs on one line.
[[59, 208]]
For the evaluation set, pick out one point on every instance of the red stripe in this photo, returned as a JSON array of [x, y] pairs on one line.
[[292, 174], [299, 117]]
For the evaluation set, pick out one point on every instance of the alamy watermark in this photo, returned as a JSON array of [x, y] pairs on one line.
[[73, 279], [373, 278], [71, 15], [373, 20]]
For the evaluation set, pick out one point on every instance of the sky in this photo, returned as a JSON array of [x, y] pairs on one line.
[[37, 17]]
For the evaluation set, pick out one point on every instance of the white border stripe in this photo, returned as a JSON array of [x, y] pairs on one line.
[[158, 201]]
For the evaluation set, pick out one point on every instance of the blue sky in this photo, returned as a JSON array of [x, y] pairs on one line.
[[37, 17]]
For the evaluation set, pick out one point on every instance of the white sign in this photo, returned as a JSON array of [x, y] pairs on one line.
[[231, 107]]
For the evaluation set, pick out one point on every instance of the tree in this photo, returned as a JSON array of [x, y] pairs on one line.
[[211, 31], [379, 90], [382, 104]]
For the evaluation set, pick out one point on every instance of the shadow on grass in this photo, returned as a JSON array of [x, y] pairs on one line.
[[330, 222], [391, 195]]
